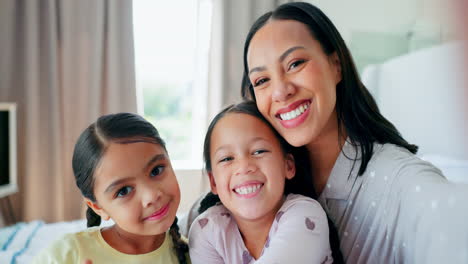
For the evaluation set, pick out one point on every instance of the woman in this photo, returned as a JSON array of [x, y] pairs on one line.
[[388, 205]]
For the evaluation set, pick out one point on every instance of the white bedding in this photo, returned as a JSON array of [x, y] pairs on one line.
[[21, 242]]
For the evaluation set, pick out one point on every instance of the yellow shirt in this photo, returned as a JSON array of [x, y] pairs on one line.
[[89, 244]]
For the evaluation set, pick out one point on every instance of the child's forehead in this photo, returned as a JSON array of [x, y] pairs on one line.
[[241, 126], [128, 158]]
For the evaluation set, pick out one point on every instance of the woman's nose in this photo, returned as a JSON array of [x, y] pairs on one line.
[[283, 89]]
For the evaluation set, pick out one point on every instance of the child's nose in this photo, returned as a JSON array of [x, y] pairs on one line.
[[245, 166], [150, 195]]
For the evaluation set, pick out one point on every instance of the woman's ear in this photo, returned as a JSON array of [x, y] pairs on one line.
[[335, 63], [212, 183], [97, 209], [290, 166]]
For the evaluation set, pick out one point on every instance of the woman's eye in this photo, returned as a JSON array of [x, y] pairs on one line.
[[260, 151], [226, 159], [124, 191], [295, 64], [260, 82], [156, 171]]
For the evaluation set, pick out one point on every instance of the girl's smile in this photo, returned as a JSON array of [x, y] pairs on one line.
[[248, 189], [159, 213]]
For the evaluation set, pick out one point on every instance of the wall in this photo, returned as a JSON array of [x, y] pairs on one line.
[[376, 30]]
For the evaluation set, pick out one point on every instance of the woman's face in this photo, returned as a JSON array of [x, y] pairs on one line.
[[294, 81]]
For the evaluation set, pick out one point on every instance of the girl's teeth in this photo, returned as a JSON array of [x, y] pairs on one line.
[[247, 190], [294, 113]]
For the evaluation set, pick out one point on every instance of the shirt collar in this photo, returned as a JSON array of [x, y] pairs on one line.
[[344, 173]]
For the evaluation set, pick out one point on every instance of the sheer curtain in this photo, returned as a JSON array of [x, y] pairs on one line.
[[64, 63]]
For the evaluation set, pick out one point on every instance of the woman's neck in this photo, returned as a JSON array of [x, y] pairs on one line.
[[129, 243], [323, 153]]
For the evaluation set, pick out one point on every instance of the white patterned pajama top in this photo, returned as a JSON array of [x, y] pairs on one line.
[[401, 210]]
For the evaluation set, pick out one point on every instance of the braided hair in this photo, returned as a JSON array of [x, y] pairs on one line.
[[119, 128], [180, 246]]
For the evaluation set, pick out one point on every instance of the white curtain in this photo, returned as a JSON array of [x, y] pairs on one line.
[[64, 62], [231, 23]]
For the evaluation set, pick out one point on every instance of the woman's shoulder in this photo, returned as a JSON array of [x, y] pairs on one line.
[[391, 153], [392, 159]]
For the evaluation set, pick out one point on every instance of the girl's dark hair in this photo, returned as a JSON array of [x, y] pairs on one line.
[[121, 128], [356, 109], [301, 183]]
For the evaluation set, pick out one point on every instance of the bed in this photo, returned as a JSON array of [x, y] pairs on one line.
[[421, 93]]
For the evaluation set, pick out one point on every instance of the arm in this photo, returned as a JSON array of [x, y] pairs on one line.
[[302, 236], [433, 217], [201, 242]]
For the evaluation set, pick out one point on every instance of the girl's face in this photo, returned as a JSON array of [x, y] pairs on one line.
[[248, 167], [294, 81], [136, 187]]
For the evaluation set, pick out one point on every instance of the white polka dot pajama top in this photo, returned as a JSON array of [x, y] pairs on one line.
[[401, 210]]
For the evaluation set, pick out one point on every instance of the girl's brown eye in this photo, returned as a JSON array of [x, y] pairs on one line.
[[156, 171], [122, 192]]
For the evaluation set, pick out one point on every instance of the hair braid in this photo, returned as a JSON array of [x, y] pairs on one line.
[[208, 201], [180, 246], [92, 218]]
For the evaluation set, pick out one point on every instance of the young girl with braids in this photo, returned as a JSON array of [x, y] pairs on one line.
[[123, 171], [255, 213]]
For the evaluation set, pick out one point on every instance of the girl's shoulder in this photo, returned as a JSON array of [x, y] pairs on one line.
[[66, 249]]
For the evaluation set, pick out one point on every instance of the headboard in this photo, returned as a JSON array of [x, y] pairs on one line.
[[425, 96]]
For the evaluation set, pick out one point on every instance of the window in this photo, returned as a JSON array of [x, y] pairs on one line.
[[171, 53]]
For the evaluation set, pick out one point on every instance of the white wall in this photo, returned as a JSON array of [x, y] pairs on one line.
[[376, 30], [395, 16]]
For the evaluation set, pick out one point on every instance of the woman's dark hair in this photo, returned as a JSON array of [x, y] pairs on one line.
[[356, 109], [301, 183], [121, 128]]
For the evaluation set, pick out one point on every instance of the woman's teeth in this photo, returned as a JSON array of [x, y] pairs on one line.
[[295, 113], [248, 189]]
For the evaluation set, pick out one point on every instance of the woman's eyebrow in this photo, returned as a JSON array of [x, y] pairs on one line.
[[280, 59], [257, 69], [289, 51]]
